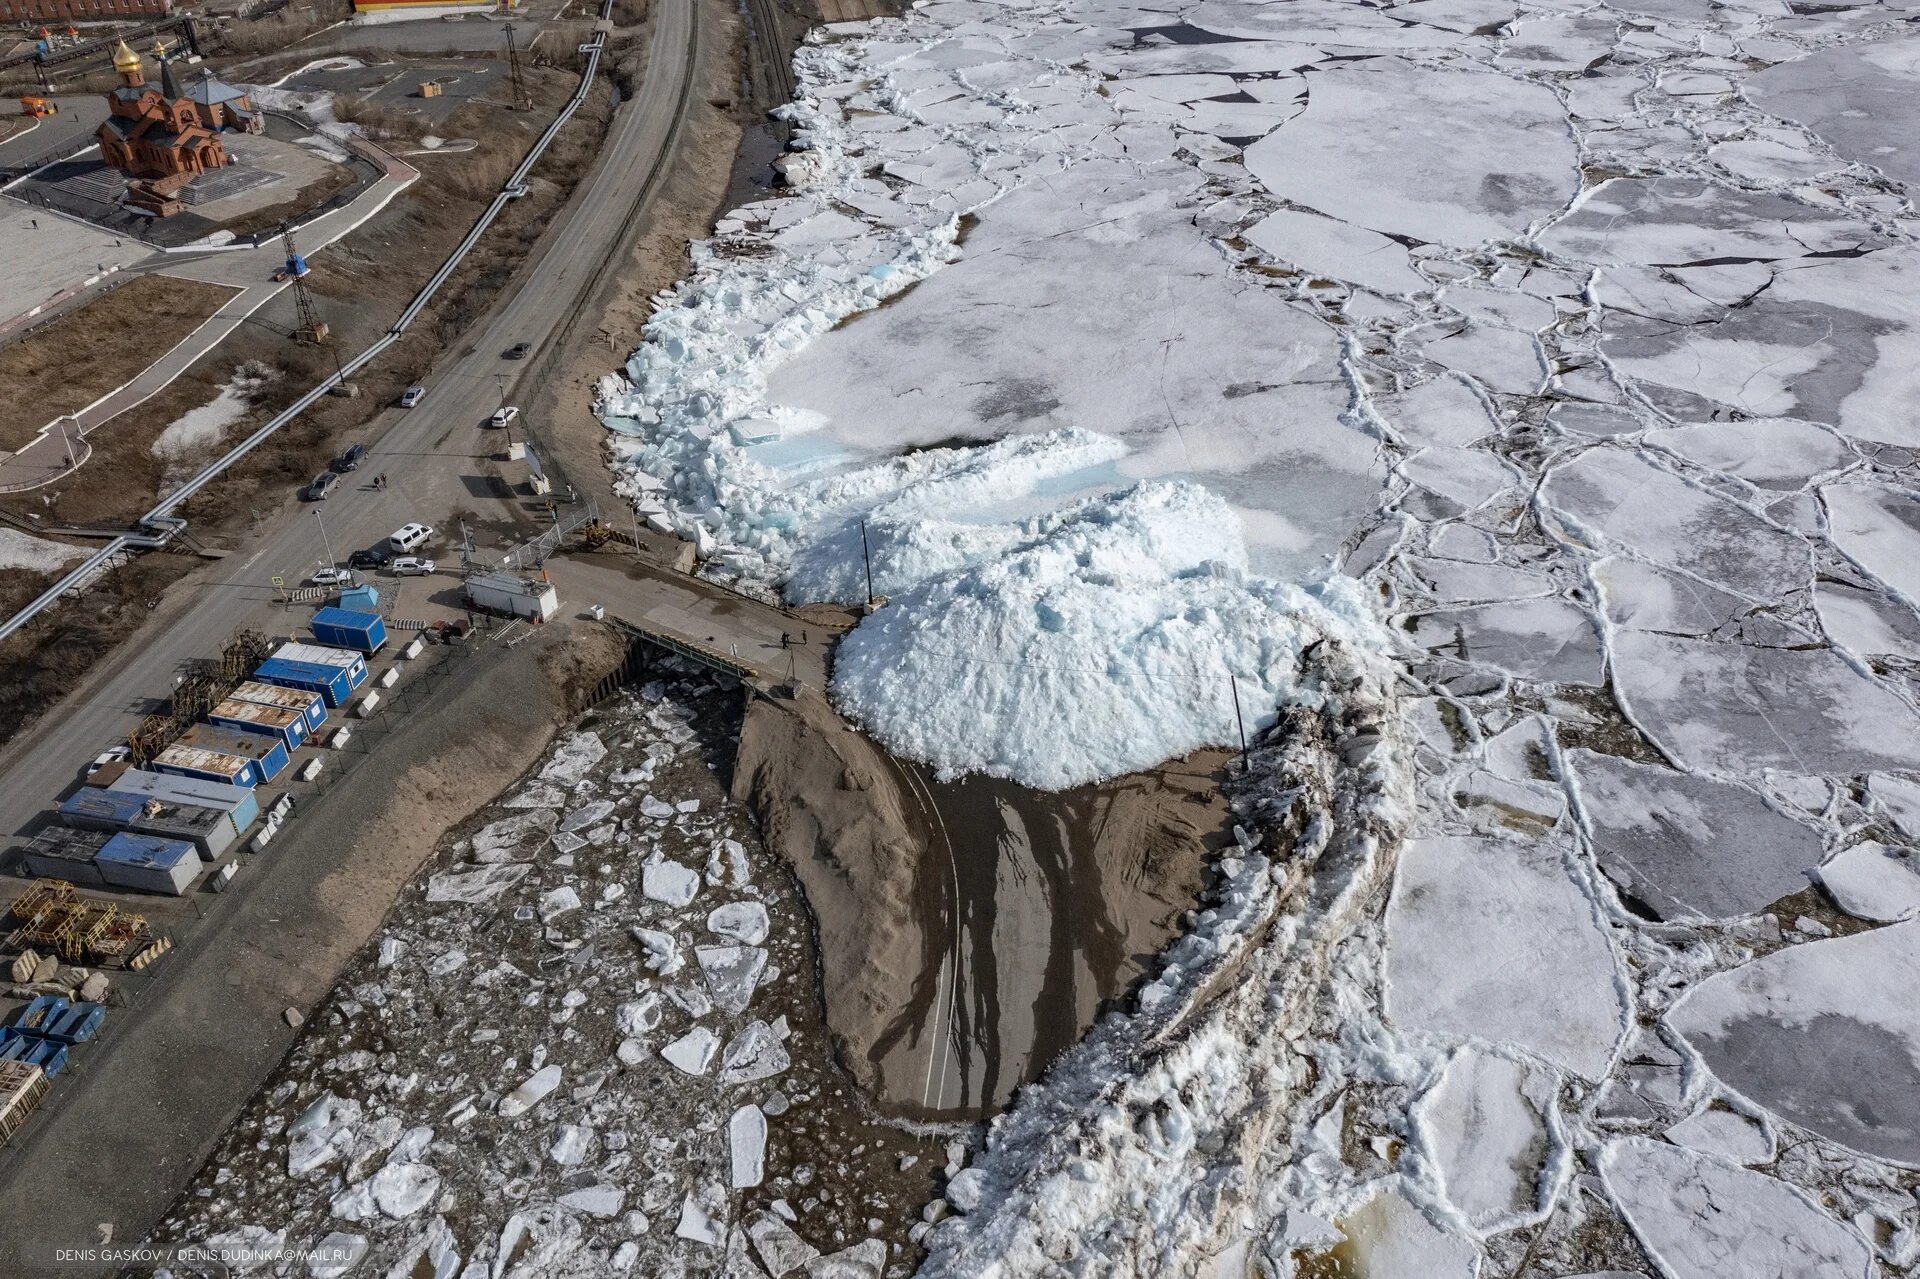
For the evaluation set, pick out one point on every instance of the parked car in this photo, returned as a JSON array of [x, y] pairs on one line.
[[504, 415], [412, 396], [518, 351], [350, 460], [370, 557], [332, 575], [412, 566], [322, 487], [409, 538], [116, 754]]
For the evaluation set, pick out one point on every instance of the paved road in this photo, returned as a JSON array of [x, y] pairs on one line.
[[429, 454]]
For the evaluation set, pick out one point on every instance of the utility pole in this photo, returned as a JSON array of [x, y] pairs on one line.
[[1234, 684], [866, 556], [311, 328], [331, 562], [521, 102]]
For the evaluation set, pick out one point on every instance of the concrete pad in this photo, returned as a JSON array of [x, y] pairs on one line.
[[48, 255]]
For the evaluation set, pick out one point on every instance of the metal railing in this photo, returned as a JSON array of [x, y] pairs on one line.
[[162, 521]]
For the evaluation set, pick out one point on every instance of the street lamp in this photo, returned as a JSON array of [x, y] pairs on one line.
[[331, 563]]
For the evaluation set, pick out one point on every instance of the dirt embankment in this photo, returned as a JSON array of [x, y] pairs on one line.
[[971, 931]]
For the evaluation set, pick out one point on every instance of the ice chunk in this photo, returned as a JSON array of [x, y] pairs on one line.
[[1486, 1124], [1323, 246], [1880, 528], [865, 1260], [668, 882], [744, 922], [1728, 707], [1825, 1034], [732, 973], [320, 1132], [402, 1189], [658, 809], [1389, 1238], [335, 1255], [1547, 639], [1726, 1133], [727, 865], [600, 1200], [574, 757], [531, 1093], [692, 1053], [1491, 939], [638, 1016], [1704, 1219], [1444, 155], [570, 1143], [508, 839], [1873, 881], [558, 902], [781, 1250], [586, 815], [1687, 845], [747, 1140], [662, 950], [697, 1222], [755, 1053], [476, 886]]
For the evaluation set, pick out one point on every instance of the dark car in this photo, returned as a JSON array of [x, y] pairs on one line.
[[518, 351], [371, 557], [350, 460]]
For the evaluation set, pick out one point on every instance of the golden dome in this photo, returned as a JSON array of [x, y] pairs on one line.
[[125, 59]]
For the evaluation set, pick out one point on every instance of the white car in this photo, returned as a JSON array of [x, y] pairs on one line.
[[412, 396], [409, 538], [412, 566], [111, 755], [333, 575], [503, 415]]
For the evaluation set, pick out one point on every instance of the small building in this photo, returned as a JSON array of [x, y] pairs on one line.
[[65, 852], [325, 655], [149, 863], [281, 722], [268, 753], [374, 11], [239, 803], [512, 594], [332, 684], [347, 628], [311, 705]]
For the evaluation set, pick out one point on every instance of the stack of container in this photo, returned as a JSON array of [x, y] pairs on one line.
[[331, 683], [224, 755], [239, 803], [283, 723], [309, 704], [323, 655]]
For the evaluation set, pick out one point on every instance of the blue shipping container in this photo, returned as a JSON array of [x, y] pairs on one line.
[[308, 703], [238, 803], [331, 682], [344, 628], [91, 808], [269, 753], [76, 1024], [363, 599], [352, 663], [282, 723], [213, 766]]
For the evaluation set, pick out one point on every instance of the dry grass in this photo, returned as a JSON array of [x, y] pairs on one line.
[[81, 356], [277, 31]]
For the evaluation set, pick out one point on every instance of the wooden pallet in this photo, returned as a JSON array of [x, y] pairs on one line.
[[21, 1088]]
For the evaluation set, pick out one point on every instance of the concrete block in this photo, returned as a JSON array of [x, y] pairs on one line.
[[341, 736], [368, 704], [311, 769], [389, 677], [414, 649]]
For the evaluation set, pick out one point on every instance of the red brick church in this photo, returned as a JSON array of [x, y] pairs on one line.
[[164, 137]]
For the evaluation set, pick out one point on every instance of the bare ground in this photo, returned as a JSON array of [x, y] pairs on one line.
[[83, 355]]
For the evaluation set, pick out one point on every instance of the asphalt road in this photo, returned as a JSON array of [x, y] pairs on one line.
[[429, 454]]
